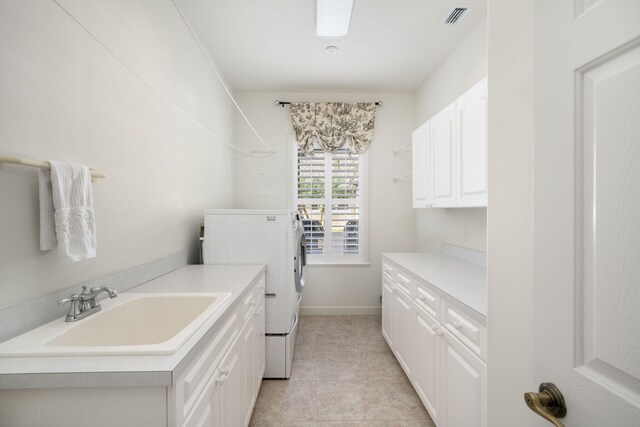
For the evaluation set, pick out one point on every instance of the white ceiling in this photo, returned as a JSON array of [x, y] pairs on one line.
[[265, 45]]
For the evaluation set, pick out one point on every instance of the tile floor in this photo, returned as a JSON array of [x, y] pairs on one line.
[[344, 375]]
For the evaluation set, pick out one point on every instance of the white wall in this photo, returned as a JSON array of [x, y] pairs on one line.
[[265, 182], [510, 238], [64, 96], [463, 68]]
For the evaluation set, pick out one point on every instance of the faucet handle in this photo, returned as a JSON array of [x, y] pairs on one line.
[[112, 292], [74, 308], [73, 298]]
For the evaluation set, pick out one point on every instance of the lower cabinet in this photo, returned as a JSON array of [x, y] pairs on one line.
[[253, 359], [249, 362], [228, 399], [463, 384], [448, 376], [232, 388], [388, 312], [427, 333], [404, 331]]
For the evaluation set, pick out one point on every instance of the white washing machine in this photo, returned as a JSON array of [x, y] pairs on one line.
[[275, 238]]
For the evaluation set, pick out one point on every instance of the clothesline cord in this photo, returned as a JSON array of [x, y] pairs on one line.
[[213, 67]]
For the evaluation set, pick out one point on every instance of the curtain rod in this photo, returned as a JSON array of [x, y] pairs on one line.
[[283, 103]]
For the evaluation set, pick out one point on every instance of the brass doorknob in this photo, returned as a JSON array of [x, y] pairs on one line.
[[548, 403]]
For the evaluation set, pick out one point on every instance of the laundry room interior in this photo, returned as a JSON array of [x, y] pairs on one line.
[[314, 213]]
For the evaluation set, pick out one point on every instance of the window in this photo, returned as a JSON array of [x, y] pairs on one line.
[[329, 193]]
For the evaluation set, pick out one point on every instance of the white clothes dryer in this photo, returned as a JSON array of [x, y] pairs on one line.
[[275, 238]]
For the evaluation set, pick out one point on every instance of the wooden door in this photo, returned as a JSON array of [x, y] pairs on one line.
[[586, 205]]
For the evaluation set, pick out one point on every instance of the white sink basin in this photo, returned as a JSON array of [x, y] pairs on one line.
[[130, 324]]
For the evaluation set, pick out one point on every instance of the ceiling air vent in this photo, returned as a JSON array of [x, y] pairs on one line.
[[456, 14]]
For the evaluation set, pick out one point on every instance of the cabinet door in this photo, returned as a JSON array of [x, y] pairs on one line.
[[249, 361], [228, 397], [427, 337], [388, 312], [471, 138], [404, 330], [260, 342], [421, 168], [442, 138], [463, 384]]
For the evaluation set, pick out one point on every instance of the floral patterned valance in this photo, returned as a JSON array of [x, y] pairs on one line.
[[333, 124]]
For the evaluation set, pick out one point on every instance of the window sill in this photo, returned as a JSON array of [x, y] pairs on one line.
[[338, 264]]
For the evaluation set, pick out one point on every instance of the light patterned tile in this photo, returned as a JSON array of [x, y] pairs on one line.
[[368, 400], [304, 370], [283, 424], [285, 401], [411, 423], [352, 424], [358, 380]]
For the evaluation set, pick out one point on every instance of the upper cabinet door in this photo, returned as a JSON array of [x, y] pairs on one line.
[[471, 138], [421, 167], [442, 137]]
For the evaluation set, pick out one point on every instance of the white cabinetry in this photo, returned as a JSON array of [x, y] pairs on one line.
[[404, 330], [471, 146], [449, 154], [439, 345], [420, 160], [425, 372], [229, 398], [388, 312], [463, 383], [232, 366], [443, 161]]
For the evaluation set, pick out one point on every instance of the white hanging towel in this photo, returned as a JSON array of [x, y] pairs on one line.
[[74, 218]]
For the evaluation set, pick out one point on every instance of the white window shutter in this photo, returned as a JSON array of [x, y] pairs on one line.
[[329, 197]]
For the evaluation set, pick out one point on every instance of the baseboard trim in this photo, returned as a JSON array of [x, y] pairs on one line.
[[340, 311]]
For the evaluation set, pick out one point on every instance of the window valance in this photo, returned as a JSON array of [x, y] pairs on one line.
[[333, 124]]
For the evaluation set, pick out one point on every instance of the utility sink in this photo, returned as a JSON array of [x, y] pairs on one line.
[[131, 324]]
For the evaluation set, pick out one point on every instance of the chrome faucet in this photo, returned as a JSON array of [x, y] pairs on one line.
[[86, 303]]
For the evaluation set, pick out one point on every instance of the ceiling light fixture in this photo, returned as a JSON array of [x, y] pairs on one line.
[[332, 17], [331, 49]]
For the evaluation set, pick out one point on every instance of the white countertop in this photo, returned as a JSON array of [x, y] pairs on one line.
[[92, 371], [461, 280]]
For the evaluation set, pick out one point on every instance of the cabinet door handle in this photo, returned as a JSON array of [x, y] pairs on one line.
[[457, 325], [435, 327]]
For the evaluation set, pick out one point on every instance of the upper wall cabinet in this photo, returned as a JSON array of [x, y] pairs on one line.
[[449, 154], [471, 146], [443, 158], [421, 180]]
